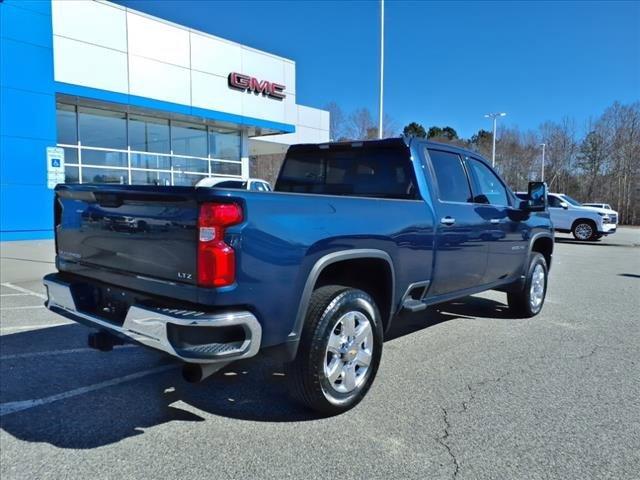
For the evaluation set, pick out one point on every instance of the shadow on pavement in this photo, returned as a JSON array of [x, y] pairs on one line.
[[598, 243], [629, 275], [252, 390]]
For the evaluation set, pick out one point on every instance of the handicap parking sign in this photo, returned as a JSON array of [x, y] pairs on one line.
[[55, 166]]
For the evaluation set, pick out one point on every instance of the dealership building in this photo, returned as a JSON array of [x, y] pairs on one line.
[[92, 92]]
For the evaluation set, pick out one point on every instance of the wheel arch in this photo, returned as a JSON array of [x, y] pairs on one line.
[[543, 244], [332, 268], [584, 220]]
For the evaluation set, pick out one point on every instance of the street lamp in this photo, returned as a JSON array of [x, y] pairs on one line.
[[543, 145], [494, 116], [380, 113]]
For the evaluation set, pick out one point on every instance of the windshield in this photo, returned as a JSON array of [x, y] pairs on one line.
[[572, 201]]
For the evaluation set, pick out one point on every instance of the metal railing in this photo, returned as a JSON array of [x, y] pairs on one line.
[[133, 158]]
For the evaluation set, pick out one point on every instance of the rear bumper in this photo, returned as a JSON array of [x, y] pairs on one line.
[[191, 336]]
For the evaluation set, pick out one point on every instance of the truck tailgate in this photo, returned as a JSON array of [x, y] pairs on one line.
[[141, 230]]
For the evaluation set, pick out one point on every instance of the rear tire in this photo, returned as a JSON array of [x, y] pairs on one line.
[[584, 230], [339, 351], [528, 301]]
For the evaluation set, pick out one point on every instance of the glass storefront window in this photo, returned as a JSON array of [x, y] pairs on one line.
[[225, 168], [149, 134], [102, 128], [108, 139], [190, 165], [184, 179], [188, 139], [66, 125], [224, 144], [70, 155], [71, 174], [104, 175], [150, 178], [101, 157], [151, 161]]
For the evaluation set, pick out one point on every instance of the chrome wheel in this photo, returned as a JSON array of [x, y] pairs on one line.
[[536, 292], [349, 352], [584, 231]]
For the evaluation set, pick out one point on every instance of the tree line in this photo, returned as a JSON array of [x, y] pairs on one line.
[[595, 162]]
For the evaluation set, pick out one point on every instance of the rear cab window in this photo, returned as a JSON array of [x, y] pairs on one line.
[[350, 171]]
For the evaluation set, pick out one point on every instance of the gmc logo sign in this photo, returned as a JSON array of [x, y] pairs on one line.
[[246, 83]]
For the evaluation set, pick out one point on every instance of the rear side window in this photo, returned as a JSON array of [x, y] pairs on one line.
[[488, 187], [451, 177], [365, 172], [259, 187]]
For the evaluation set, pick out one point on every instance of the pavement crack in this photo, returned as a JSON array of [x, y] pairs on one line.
[[591, 353], [443, 441], [472, 393]]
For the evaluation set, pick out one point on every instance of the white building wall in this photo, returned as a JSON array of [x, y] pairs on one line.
[[102, 45]]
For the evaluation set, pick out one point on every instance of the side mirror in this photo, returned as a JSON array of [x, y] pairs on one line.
[[537, 197], [564, 205]]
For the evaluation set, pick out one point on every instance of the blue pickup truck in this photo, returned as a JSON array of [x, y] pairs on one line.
[[313, 273]]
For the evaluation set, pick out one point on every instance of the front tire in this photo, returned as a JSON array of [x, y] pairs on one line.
[[339, 351], [584, 230], [528, 301]]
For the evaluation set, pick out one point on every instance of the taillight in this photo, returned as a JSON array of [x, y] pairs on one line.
[[216, 259]]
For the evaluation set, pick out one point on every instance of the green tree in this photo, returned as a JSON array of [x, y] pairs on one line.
[[447, 133], [434, 132], [414, 130]]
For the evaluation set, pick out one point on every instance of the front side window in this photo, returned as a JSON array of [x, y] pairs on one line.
[[488, 188], [554, 201], [451, 178]]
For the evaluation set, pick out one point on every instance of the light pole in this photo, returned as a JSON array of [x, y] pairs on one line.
[[381, 67], [543, 145], [494, 116]]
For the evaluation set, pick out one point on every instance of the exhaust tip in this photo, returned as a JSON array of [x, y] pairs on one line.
[[196, 372], [192, 372]]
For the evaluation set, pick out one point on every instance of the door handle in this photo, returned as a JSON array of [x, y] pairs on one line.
[[447, 220], [495, 220]]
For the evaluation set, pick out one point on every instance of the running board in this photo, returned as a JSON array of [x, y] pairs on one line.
[[413, 305], [413, 298]]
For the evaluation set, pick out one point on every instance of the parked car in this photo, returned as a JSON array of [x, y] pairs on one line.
[[314, 274], [585, 223], [604, 206], [254, 184]]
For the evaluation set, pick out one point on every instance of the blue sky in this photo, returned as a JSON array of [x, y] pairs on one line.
[[447, 63]]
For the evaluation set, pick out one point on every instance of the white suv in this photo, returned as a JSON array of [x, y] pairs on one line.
[[586, 223]]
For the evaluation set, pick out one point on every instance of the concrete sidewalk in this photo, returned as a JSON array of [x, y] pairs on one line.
[[26, 261]]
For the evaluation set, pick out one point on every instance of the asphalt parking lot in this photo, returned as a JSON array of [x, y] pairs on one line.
[[464, 391]]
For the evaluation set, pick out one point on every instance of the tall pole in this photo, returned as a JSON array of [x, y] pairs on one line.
[[494, 117], [381, 67], [543, 147], [493, 150]]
